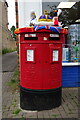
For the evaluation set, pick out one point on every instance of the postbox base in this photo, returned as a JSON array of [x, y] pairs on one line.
[[40, 100]]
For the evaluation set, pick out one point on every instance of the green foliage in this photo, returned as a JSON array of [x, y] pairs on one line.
[[6, 50], [68, 15], [12, 32], [16, 111], [0, 52], [55, 115], [14, 82], [23, 118]]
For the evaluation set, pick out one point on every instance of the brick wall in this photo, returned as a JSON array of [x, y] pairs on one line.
[[0, 25], [7, 41]]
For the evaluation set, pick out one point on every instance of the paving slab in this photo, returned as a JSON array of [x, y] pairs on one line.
[[68, 109]]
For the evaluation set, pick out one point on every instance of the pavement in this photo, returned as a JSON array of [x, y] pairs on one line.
[[9, 63], [11, 100], [68, 109], [0, 86]]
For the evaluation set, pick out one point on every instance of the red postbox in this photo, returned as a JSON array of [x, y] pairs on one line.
[[40, 67]]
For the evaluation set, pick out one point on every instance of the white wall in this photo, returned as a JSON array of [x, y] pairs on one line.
[[25, 7]]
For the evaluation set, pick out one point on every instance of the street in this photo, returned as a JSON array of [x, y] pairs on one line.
[[9, 64]]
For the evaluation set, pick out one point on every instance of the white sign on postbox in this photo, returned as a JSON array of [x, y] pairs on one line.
[[55, 55], [30, 55]]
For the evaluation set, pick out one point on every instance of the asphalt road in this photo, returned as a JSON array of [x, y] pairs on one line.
[[9, 65], [9, 62]]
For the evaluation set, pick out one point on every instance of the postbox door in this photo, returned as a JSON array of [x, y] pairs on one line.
[[52, 66]]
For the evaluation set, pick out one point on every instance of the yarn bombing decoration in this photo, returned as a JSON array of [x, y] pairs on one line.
[[41, 29], [45, 18], [24, 30], [52, 28]]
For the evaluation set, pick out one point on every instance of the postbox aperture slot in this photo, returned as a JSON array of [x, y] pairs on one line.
[[54, 38], [30, 37], [30, 55]]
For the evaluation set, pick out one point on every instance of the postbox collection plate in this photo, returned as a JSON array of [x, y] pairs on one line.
[[30, 55], [55, 55]]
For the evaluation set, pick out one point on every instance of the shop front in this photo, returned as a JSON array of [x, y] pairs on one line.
[[71, 57]]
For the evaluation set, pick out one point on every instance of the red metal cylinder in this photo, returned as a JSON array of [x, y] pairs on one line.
[[40, 69]]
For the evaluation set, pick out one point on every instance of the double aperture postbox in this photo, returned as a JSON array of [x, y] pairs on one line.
[[40, 68]]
